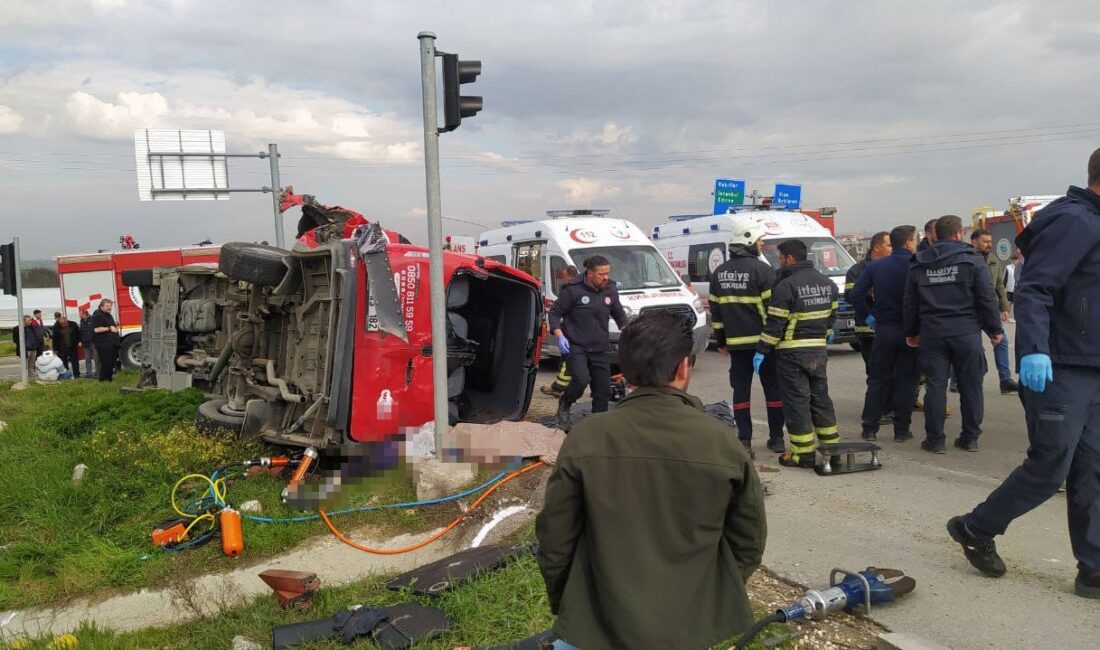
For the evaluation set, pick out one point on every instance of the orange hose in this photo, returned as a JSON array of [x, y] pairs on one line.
[[397, 551]]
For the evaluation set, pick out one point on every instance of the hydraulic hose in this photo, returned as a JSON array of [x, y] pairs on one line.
[[421, 544], [756, 628]]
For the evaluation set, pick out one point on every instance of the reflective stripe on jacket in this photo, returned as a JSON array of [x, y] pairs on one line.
[[739, 292], [802, 310]]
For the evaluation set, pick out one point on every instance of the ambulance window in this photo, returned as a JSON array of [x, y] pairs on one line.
[[560, 273], [529, 259], [703, 259]]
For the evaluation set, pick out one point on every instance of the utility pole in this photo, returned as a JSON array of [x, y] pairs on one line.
[[276, 194], [435, 242]]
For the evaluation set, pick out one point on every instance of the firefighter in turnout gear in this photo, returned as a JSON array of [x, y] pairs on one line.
[[800, 321], [739, 292]]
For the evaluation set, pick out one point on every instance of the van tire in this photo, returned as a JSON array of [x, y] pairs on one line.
[[137, 278], [209, 419], [253, 263], [131, 354]]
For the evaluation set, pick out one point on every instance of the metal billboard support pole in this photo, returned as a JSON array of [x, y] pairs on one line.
[[276, 193], [435, 241], [19, 307]]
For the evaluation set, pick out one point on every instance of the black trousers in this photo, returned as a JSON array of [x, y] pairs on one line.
[[741, 382], [866, 344], [892, 381], [807, 407], [585, 369], [71, 359], [106, 358], [1063, 430], [966, 357]]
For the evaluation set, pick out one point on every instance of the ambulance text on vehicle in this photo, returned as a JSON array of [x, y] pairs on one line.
[[696, 244], [546, 248]]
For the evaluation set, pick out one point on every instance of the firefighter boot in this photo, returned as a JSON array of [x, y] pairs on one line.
[[564, 421]]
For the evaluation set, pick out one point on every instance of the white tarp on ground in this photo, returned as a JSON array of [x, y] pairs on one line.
[[48, 300]]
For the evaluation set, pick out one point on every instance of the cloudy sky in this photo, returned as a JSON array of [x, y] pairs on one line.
[[892, 111]]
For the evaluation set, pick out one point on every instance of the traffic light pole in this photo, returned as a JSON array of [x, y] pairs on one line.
[[435, 241], [19, 314]]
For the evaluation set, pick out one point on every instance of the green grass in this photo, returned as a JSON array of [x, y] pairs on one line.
[[7, 346], [62, 541], [497, 608]]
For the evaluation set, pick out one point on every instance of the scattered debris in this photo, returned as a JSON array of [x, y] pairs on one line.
[[78, 474], [251, 506], [293, 589], [3, 425]]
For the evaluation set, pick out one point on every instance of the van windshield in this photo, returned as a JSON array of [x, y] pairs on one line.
[[632, 267], [828, 256]]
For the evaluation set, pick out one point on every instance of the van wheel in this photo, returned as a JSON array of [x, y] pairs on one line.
[[137, 278], [253, 263], [210, 419], [132, 353]]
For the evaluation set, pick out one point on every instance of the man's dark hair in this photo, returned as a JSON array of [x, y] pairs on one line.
[[594, 261], [948, 226], [571, 271], [1094, 168], [652, 346], [930, 226], [901, 235], [974, 236], [879, 238], [38, 311], [795, 247]]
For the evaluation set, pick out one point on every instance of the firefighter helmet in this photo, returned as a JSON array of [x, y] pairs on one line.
[[746, 231]]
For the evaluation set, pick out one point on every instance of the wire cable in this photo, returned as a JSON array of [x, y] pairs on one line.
[[421, 544]]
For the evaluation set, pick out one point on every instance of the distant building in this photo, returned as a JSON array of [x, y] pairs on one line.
[[857, 244]]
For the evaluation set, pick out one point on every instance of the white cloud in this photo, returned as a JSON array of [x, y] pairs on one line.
[[586, 190], [363, 150], [10, 121], [96, 118]]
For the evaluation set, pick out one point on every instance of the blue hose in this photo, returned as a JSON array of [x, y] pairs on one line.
[[391, 506]]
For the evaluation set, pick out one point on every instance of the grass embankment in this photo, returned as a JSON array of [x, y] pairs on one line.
[[7, 346], [499, 607], [58, 541]]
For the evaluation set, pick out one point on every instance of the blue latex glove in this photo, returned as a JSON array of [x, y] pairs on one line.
[[1036, 371], [757, 359], [563, 344], [832, 337], [871, 322]]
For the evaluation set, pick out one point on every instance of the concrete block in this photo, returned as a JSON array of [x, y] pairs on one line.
[[435, 479], [906, 641]]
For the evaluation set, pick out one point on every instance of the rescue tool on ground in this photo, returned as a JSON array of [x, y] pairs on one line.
[[862, 589]]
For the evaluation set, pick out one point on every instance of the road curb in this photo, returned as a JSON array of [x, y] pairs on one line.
[[903, 641]]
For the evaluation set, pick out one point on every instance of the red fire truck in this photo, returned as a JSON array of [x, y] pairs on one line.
[[86, 279]]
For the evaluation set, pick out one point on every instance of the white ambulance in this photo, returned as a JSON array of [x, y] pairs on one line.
[[696, 244], [546, 248]]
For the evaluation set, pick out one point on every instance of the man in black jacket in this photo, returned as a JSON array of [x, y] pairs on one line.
[[87, 342], [949, 301], [35, 344], [799, 327], [106, 339], [1057, 304], [579, 318], [66, 344], [739, 292], [880, 248]]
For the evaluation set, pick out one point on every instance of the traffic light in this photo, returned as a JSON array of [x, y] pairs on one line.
[[7, 268], [456, 106]]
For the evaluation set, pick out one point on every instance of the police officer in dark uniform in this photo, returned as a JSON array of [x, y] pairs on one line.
[[893, 375], [880, 248], [801, 314], [1057, 303], [739, 292], [949, 301], [578, 318]]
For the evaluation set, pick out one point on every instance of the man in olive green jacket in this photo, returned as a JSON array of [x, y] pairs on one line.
[[654, 515]]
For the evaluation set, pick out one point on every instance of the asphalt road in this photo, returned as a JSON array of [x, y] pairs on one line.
[[895, 518]]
